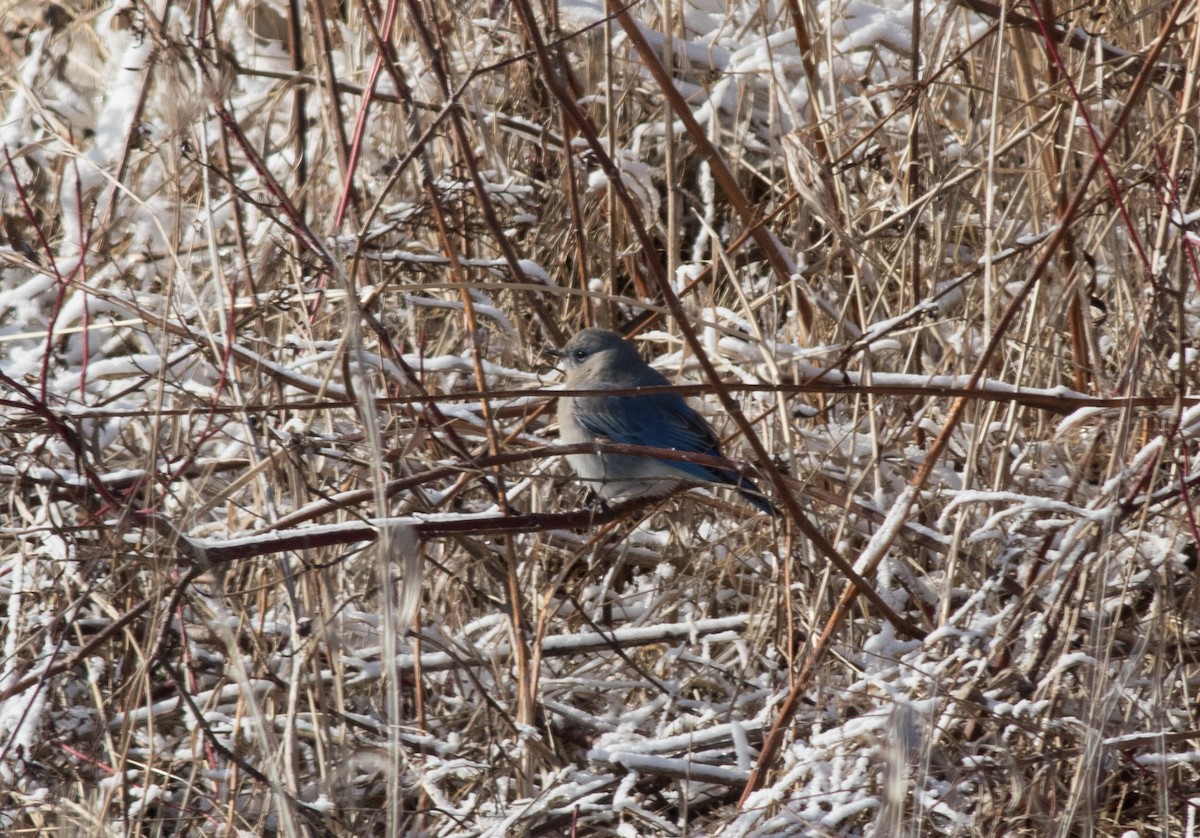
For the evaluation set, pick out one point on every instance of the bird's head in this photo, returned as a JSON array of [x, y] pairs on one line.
[[596, 349]]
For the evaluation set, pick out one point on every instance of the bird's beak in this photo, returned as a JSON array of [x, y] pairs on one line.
[[557, 353]]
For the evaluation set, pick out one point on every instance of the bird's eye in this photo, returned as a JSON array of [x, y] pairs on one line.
[[579, 354]]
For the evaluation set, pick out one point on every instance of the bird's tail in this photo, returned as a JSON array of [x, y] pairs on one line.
[[747, 489]]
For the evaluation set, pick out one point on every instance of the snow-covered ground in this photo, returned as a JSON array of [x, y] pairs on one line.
[[286, 546]]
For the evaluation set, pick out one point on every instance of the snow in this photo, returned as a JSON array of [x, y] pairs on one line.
[[194, 481]]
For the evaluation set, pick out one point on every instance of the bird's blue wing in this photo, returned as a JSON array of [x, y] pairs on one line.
[[664, 420], [658, 420]]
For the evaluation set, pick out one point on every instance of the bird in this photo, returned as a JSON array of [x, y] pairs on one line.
[[599, 359]]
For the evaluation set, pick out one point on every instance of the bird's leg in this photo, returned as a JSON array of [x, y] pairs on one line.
[[597, 502]]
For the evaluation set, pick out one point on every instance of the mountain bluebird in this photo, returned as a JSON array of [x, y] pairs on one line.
[[597, 359]]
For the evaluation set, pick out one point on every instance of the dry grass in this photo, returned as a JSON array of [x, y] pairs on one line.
[[284, 551]]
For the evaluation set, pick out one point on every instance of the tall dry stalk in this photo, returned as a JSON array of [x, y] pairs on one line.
[[275, 279]]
